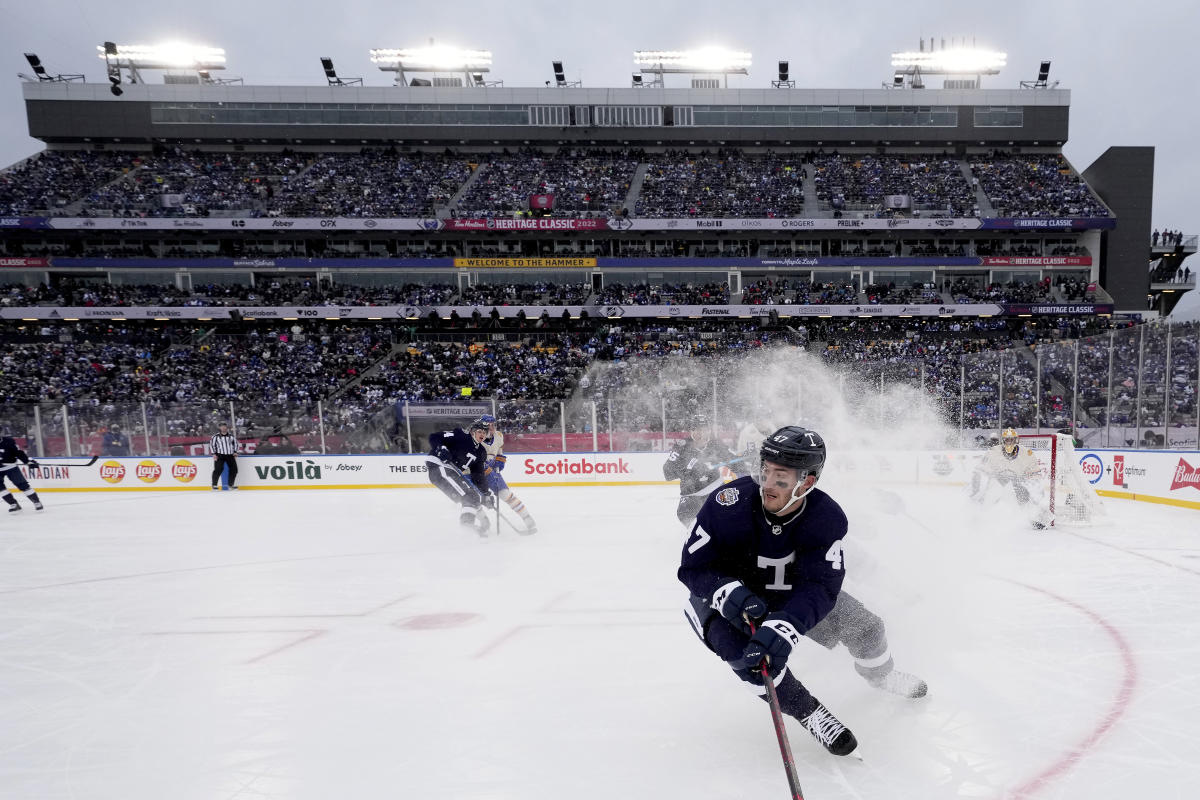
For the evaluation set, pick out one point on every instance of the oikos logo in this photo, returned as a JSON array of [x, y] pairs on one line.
[[147, 471], [112, 471], [1092, 467], [184, 471]]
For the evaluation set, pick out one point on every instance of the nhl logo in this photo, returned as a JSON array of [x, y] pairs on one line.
[[776, 530]]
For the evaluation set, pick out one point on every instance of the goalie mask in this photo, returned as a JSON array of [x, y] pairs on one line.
[[796, 448], [1010, 441]]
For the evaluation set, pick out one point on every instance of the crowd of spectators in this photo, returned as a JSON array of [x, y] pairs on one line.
[[372, 183], [175, 182], [273, 377], [582, 181], [1168, 238], [974, 290], [931, 183], [1034, 185], [379, 182], [645, 294], [728, 183]]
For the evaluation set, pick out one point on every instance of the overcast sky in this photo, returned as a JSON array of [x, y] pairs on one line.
[[1132, 68]]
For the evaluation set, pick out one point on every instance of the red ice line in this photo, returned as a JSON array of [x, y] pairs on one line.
[[1119, 705]]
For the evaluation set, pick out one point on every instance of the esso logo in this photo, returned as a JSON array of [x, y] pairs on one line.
[[1092, 467], [184, 471], [112, 471], [147, 471]]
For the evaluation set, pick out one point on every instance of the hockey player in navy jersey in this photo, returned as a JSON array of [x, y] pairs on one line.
[[496, 460], [453, 456], [770, 553], [10, 454], [696, 463]]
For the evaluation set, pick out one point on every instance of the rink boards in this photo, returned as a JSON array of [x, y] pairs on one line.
[[1170, 477]]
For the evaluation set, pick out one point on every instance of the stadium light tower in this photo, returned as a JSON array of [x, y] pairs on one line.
[[702, 61], [40, 73], [436, 58], [169, 56], [331, 76], [1043, 78], [959, 62]]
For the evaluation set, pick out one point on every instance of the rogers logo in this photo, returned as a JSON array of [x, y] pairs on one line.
[[566, 466], [112, 471], [184, 471], [147, 471]]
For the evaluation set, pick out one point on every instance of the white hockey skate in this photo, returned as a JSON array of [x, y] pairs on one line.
[[903, 684]]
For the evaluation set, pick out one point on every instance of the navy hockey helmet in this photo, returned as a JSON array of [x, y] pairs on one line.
[[796, 447], [478, 425]]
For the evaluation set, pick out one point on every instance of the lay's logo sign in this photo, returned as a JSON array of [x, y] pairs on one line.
[[184, 471], [112, 471], [147, 471]]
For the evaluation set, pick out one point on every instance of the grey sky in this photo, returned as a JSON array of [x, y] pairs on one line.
[[1131, 67]]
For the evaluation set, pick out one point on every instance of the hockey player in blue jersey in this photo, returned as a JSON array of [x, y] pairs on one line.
[[771, 553], [10, 454], [453, 456], [494, 445]]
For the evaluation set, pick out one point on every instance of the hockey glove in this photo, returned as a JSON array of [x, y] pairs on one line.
[[443, 454], [772, 643], [498, 463], [737, 603], [33, 464]]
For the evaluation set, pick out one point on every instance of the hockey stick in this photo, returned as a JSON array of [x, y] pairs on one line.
[[785, 749], [519, 531], [78, 464]]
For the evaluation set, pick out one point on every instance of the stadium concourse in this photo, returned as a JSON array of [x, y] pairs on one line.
[[357, 643]]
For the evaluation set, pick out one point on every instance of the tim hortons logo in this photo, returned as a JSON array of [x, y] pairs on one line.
[[147, 471], [112, 471], [1186, 475], [184, 471]]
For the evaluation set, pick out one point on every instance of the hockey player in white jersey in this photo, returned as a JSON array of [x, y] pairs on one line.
[[494, 445], [1010, 467]]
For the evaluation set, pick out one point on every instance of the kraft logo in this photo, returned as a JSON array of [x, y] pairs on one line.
[[566, 466]]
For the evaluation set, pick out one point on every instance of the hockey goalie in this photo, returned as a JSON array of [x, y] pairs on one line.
[[1008, 470]]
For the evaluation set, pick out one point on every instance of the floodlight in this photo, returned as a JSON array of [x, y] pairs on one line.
[[637, 80], [1044, 72], [957, 61], [783, 70], [705, 59], [327, 64], [169, 55], [560, 77], [36, 64], [898, 80], [436, 58]]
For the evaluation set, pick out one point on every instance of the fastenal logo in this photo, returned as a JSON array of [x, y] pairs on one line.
[[184, 471], [147, 471], [112, 471]]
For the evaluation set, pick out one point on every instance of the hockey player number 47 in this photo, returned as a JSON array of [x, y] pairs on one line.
[[834, 556]]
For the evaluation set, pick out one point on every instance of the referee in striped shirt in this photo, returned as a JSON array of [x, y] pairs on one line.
[[224, 448]]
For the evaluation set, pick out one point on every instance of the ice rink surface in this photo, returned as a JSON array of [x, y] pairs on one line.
[[358, 644]]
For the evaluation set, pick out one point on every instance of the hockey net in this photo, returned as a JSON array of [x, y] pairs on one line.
[[1071, 498]]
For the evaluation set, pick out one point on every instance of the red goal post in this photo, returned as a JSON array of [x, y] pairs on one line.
[[1072, 500]]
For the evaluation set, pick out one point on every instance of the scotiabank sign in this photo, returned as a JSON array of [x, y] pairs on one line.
[[587, 465]]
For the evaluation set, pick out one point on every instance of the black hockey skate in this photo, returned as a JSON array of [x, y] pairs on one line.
[[902, 683], [829, 731], [13, 508]]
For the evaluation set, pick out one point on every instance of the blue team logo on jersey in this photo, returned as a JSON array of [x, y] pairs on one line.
[[727, 497]]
